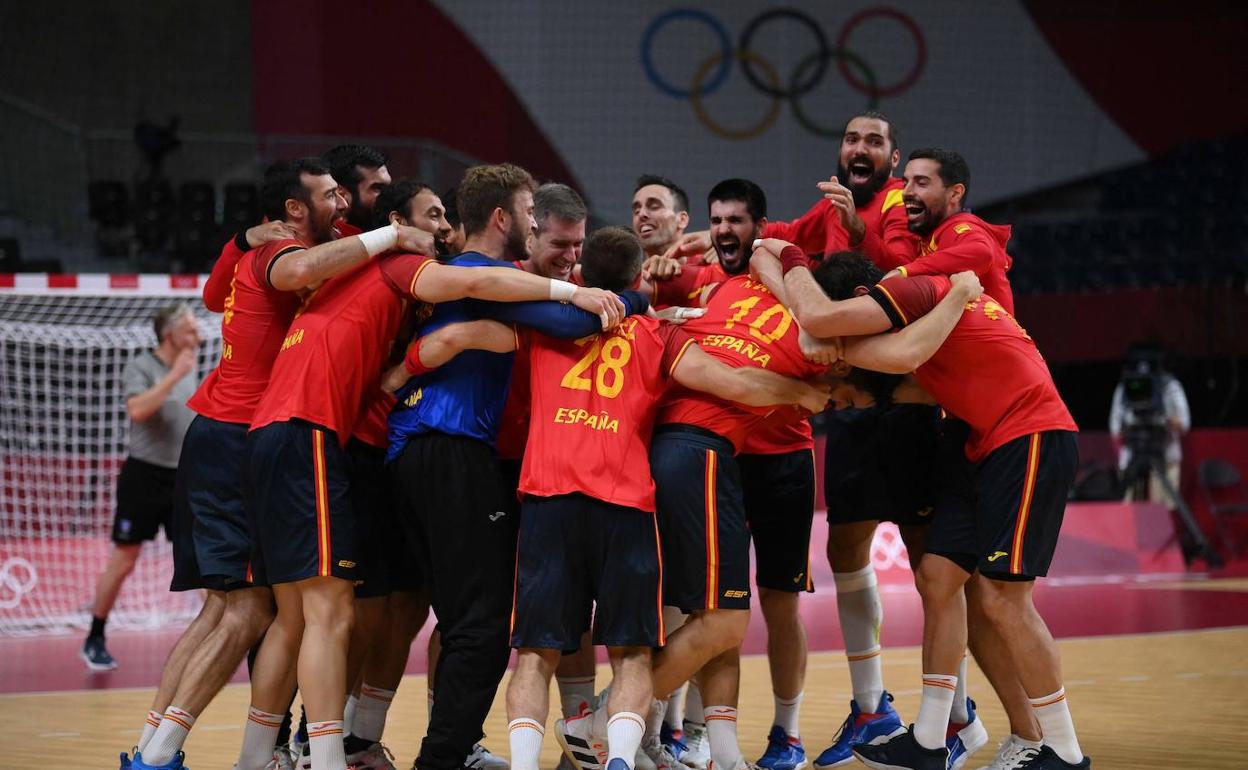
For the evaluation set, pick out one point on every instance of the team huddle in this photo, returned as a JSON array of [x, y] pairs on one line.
[[556, 441]]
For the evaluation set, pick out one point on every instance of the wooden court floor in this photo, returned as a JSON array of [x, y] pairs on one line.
[[1143, 702]]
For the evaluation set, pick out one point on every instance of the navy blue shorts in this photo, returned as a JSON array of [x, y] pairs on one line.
[[1019, 500], [779, 506], [706, 541], [385, 561], [575, 551], [181, 531], [144, 501], [211, 474], [299, 504], [879, 464]]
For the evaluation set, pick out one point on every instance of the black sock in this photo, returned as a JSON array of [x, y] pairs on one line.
[[283, 732], [97, 628], [352, 744]]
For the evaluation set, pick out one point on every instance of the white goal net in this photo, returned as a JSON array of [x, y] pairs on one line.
[[63, 437]]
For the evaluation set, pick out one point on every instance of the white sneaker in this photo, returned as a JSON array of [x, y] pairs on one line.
[[656, 755], [482, 759], [1012, 754], [375, 757], [643, 761], [699, 743], [565, 763], [282, 759], [582, 748]]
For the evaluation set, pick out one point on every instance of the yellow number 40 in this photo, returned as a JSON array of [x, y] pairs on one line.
[[611, 358]]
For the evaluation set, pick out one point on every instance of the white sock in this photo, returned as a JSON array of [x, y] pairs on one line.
[[169, 737], [149, 729], [675, 714], [428, 704], [370, 713], [348, 713], [721, 728], [573, 692], [325, 745], [787, 710], [258, 738], [1053, 714], [525, 736], [958, 714], [624, 731], [1024, 742], [861, 613], [693, 703], [933, 719]]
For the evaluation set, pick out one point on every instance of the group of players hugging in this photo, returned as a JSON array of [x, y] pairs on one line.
[[561, 442]]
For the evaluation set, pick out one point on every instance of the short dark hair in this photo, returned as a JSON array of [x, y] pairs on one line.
[[166, 316], [611, 259], [680, 200], [839, 275], [877, 115], [452, 206], [397, 197], [346, 160], [953, 168], [284, 180], [740, 190], [485, 188], [559, 201]]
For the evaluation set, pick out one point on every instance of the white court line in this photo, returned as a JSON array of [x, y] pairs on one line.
[[59, 735], [1134, 678], [1189, 675]]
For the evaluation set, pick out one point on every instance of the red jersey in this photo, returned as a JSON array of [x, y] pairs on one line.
[[217, 287], [966, 242], [252, 329], [988, 373], [887, 240], [685, 290], [371, 427], [593, 404], [744, 325], [331, 358], [513, 426], [784, 430], [345, 229]]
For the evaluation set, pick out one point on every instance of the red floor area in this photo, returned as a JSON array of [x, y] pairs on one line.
[[1082, 607]]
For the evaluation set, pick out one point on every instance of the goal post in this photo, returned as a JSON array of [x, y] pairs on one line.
[[64, 432]]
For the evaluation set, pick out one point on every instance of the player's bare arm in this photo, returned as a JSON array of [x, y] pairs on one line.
[[818, 315], [309, 267], [910, 348], [689, 245], [440, 346], [747, 385], [446, 283]]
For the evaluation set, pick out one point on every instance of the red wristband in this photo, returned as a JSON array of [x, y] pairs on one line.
[[411, 362], [791, 257]]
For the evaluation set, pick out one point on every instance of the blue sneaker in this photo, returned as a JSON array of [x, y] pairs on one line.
[[783, 752], [963, 740], [861, 728], [674, 740], [125, 760], [174, 764]]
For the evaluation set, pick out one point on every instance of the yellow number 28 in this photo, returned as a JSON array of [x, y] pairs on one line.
[[611, 358]]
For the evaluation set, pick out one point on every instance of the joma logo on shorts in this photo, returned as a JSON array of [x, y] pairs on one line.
[[998, 555]]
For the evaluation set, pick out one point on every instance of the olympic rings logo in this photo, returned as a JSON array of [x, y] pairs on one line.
[[17, 578], [763, 77]]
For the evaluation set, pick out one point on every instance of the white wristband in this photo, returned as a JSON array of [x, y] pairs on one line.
[[380, 240], [562, 291]]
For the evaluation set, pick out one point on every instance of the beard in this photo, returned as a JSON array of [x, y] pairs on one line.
[[517, 245], [863, 193], [358, 215]]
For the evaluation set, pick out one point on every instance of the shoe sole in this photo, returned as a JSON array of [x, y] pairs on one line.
[[974, 737], [97, 666]]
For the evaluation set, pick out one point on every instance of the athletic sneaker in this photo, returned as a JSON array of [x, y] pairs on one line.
[[964, 739], [861, 728], [125, 759], [174, 764], [674, 740], [902, 753], [565, 763], [482, 759], [783, 752], [1047, 759], [585, 750], [282, 759], [375, 757], [740, 765], [656, 754], [1012, 754], [697, 746], [642, 760], [96, 655]]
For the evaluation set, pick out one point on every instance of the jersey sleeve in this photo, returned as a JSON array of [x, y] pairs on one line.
[[401, 271], [679, 291], [895, 245], [906, 299], [809, 232], [971, 250], [675, 342], [217, 287], [262, 267]]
